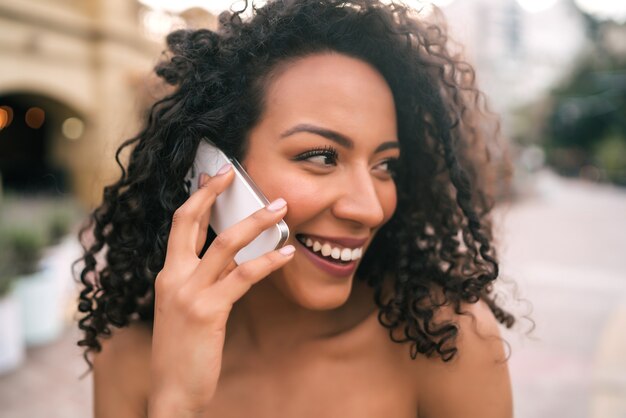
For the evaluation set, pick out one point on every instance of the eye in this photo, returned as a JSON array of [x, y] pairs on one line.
[[326, 155], [390, 165]]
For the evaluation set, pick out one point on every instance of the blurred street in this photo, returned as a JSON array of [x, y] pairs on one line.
[[563, 244], [564, 247]]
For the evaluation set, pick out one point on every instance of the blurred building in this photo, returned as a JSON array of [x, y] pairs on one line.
[[520, 53], [74, 76]]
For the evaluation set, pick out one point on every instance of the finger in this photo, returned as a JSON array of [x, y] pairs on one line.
[[187, 220], [242, 278], [204, 221], [203, 232], [226, 245], [230, 267]]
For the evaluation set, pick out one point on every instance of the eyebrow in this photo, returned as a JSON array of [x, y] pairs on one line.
[[334, 136]]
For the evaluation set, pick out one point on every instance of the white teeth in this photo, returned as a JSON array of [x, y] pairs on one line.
[[345, 254]]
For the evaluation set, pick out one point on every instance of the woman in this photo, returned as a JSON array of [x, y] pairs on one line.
[[366, 133]]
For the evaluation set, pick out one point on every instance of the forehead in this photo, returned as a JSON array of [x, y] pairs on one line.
[[333, 90]]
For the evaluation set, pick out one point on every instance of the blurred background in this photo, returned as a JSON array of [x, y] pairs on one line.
[[75, 76]]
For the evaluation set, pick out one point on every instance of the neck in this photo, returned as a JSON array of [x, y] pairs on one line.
[[264, 321]]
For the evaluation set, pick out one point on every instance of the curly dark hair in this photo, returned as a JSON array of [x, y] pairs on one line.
[[439, 241]]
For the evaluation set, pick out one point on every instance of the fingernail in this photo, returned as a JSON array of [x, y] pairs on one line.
[[225, 168], [287, 250], [203, 179], [277, 204]]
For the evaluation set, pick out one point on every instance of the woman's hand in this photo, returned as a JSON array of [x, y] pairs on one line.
[[194, 296]]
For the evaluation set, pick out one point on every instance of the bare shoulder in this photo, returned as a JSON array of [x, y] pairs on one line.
[[476, 382], [127, 347], [121, 372]]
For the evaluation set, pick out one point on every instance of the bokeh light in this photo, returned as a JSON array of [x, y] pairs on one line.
[[73, 128], [6, 116], [35, 117]]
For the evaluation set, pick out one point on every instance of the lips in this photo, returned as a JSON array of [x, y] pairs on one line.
[[332, 268]]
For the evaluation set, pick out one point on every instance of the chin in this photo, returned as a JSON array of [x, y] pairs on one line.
[[314, 294], [322, 302]]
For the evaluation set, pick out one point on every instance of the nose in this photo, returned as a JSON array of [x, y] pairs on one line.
[[359, 201]]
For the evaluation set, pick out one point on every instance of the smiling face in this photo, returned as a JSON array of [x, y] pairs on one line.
[[324, 143]]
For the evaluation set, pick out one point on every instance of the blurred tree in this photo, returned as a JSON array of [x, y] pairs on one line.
[[586, 119]]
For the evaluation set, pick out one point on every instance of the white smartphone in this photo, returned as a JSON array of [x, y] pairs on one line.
[[240, 200]]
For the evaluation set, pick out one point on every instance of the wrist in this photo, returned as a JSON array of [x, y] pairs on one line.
[[171, 405]]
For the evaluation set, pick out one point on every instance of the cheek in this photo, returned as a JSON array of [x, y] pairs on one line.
[[389, 201], [304, 199], [302, 194]]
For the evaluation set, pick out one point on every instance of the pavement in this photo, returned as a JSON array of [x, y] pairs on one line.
[[562, 252], [564, 245]]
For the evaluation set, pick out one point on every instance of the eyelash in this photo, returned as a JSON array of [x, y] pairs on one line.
[[331, 152], [326, 151]]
